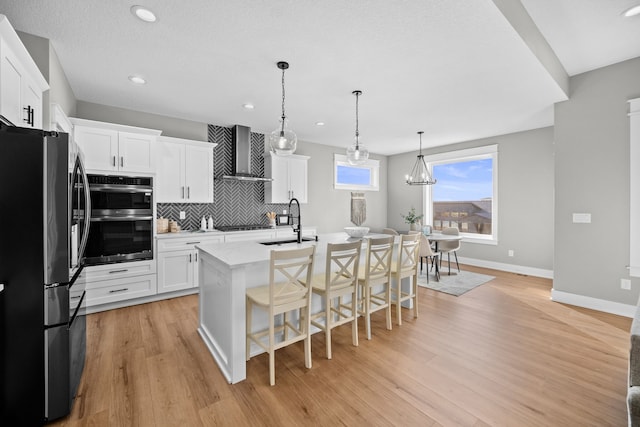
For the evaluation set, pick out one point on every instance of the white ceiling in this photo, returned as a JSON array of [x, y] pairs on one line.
[[457, 69]]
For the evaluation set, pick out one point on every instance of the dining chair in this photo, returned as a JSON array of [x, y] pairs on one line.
[[375, 284], [427, 254], [449, 247], [339, 280], [390, 231], [406, 266], [288, 291]]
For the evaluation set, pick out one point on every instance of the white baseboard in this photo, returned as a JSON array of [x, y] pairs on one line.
[[627, 310], [511, 268]]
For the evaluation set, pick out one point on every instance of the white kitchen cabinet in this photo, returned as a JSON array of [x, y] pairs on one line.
[[289, 174], [21, 82], [178, 261], [111, 283], [184, 171], [109, 147]]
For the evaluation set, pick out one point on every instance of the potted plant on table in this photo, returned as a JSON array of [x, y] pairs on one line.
[[412, 219]]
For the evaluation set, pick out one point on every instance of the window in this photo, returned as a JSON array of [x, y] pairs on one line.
[[465, 195], [355, 177]]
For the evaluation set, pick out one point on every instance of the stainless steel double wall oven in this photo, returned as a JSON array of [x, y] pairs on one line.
[[121, 219]]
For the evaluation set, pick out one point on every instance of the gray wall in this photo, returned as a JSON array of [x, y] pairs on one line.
[[170, 126], [525, 197], [592, 176], [330, 209]]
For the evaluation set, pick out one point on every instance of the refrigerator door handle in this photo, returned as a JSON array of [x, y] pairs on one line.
[[87, 210]]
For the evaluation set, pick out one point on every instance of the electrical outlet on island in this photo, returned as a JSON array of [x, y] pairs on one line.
[[625, 284]]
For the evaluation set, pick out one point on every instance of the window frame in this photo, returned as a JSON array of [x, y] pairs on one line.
[[372, 165], [469, 154]]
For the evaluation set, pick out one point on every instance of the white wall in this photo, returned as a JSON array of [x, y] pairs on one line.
[[592, 176], [525, 198]]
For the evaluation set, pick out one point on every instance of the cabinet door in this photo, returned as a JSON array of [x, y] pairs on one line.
[[170, 185], [11, 81], [277, 191], [32, 98], [135, 152], [298, 179], [199, 174], [175, 270], [100, 147]]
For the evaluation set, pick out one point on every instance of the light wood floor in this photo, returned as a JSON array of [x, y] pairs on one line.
[[502, 354]]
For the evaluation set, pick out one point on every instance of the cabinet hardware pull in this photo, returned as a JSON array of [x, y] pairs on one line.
[[118, 271], [118, 290], [182, 191], [76, 297], [114, 161], [192, 243], [121, 161], [188, 192], [196, 257]]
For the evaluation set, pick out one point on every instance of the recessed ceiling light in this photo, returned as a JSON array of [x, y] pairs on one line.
[[137, 80], [319, 123], [143, 14], [635, 10], [248, 106]]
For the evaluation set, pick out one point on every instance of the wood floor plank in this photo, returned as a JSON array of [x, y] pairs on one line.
[[502, 354]]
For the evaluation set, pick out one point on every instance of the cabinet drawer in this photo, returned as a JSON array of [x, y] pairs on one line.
[[119, 270], [238, 236], [187, 243], [107, 291]]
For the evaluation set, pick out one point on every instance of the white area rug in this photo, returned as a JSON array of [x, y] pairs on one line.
[[456, 284]]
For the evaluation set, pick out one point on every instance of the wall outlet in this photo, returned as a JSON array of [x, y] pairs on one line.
[[284, 211], [510, 252], [582, 218], [183, 214], [625, 284]]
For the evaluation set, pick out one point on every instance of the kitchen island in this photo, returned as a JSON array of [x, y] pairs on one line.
[[226, 271]]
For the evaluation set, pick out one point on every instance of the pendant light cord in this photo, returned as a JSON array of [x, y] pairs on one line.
[[357, 133], [283, 116]]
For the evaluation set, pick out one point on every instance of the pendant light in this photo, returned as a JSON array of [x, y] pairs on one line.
[[356, 153], [420, 173], [283, 140]]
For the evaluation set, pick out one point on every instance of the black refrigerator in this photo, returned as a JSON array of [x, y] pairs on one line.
[[44, 225]]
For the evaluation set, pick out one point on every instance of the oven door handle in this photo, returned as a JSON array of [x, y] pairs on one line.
[[121, 218]]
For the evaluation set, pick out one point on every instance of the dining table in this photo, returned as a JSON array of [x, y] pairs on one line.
[[435, 238]]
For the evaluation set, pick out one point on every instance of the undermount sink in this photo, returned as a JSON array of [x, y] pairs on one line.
[[280, 242]]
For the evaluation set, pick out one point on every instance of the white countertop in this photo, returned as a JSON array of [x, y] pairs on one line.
[[236, 254]]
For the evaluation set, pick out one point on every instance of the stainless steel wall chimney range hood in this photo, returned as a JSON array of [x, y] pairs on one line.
[[241, 155]]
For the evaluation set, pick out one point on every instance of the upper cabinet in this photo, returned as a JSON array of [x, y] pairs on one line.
[[289, 174], [21, 83], [185, 171], [109, 147]]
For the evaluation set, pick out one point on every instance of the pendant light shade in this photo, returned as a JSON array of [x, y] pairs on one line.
[[420, 174], [357, 154], [283, 140]]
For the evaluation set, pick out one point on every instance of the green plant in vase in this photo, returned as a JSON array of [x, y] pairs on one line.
[[412, 219]]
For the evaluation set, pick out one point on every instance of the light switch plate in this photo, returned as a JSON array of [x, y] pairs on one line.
[[582, 218], [625, 284], [183, 214]]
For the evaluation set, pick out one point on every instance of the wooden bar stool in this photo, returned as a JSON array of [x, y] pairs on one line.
[[339, 280], [375, 285], [287, 291], [406, 266]]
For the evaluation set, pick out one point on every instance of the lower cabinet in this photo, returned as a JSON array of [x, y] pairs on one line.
[[119, 282], [178, 261], [107, 291]]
